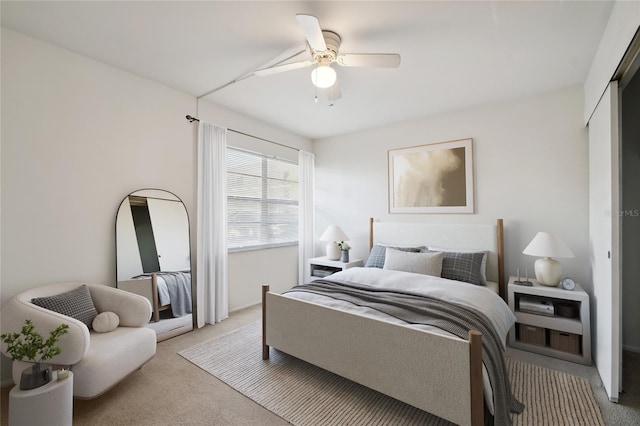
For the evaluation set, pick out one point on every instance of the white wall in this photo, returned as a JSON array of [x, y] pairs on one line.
[[77, 137], [530, 167]]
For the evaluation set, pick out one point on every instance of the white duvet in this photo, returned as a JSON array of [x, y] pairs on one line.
[[481, 298]]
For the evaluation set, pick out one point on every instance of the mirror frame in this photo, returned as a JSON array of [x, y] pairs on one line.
[[183, 329]]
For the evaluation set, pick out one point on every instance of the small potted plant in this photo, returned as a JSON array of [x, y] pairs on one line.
[[30, 345], [344, 251]]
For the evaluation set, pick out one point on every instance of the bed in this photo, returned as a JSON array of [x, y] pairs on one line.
[[426, 367], [165, 290]]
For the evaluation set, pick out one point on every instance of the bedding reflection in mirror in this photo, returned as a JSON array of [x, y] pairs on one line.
[[154, 257]]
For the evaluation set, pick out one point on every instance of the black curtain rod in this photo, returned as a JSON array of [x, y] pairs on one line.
[[192, 119]]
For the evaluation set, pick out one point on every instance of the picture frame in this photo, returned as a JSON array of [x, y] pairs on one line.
[[432, 178]]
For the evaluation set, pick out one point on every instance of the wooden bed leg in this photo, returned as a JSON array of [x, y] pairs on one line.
[[156, 298], [501, 288], [370, 233], [477, 398], [265, 348]]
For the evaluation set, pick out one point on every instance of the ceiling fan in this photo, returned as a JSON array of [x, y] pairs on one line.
[[324, 48]]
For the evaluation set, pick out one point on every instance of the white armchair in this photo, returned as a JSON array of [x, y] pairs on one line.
[[98, 360]]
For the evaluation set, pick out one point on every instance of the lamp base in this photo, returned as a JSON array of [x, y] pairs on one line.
[[333, 251], [548, 271]]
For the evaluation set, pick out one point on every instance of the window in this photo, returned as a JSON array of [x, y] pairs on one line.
[[262, 201]]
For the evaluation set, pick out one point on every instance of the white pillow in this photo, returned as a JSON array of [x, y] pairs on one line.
[[483, 266], [420, 263], [105, 322]]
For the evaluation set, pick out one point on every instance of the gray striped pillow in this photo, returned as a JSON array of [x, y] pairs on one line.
[[76, 304], [462, 267], [466, 267]]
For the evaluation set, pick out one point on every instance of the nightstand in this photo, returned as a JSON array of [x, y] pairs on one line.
[[321, 267], [551, 321]]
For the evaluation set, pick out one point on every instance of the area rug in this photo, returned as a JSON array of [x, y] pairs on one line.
[[303, 394]]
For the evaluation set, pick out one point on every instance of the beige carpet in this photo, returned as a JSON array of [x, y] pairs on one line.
[[306, 395]]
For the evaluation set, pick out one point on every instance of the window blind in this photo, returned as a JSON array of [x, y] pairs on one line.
[[262, 201]]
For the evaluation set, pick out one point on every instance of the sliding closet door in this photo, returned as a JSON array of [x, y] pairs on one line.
[[604, 238]]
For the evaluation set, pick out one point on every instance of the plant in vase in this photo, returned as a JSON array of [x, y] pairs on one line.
[[30, 345], [344, 251]]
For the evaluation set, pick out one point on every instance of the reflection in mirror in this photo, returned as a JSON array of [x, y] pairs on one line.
[[153, 257]]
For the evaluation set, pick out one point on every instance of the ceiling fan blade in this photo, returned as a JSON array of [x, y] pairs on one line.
[[334, 93], [375, 60], [282, 68], [312, 31]]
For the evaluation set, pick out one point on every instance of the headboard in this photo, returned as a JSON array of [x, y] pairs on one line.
[[461, 236]]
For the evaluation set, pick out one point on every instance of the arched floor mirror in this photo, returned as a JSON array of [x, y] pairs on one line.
[[153, 258]]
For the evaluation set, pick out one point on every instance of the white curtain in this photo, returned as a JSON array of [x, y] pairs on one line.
[[211, 259], [306, 221]]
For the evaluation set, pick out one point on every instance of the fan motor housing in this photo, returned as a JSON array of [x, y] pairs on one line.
[[332, 40]]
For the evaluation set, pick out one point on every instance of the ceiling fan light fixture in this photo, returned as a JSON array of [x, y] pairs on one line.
[[323, 76]]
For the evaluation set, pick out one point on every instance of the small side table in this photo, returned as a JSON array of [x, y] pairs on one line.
[[51, 404]]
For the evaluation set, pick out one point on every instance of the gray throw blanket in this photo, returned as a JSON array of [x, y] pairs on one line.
[[179, 285], [179, 289], [453, 318]]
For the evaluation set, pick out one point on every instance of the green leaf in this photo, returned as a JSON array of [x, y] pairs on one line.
[[30, 344]]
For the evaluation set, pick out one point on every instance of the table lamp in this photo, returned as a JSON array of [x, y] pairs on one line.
[[333, 234], [548, 270]]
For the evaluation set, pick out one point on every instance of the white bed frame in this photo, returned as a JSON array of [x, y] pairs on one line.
[[399, 361]]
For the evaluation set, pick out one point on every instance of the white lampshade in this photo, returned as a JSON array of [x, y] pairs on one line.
[[547, 246], [333, 234], [323, 76]]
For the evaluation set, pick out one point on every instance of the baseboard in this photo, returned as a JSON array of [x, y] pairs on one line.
[[630, 348], [239, 308]]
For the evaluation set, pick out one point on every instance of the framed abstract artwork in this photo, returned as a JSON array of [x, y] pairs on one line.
[[434, 178]]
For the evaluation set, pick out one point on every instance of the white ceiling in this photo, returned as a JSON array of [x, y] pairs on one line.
[[455, 55]]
